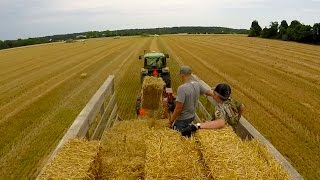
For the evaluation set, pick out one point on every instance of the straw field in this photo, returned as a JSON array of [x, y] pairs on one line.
[[277, 81], [43, 88], [42, 92]]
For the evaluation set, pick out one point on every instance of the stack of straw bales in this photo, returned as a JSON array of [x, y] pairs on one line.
[[147, 149], [170, 156], [228, 157], [77, 159], [152, 89]]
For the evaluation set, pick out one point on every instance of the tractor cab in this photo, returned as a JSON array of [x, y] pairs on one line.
[[155, 64], [155, 61]]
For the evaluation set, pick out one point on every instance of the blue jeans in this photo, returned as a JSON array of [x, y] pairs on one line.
[[181, 124]]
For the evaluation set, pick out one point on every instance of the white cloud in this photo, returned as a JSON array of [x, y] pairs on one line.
[[41, 17], [310, 10], [238, 3]]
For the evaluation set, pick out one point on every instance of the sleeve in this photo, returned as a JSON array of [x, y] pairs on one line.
[[203, 89], [237, 103], [181, 95]]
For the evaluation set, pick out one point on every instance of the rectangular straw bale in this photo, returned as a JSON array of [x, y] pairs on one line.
[[171, 156], [269, 167], [158, 123], [152, 89], [228, 157], [123, 150], [77, 159]]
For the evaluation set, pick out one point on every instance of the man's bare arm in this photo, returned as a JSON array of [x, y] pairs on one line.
[[216, 124]]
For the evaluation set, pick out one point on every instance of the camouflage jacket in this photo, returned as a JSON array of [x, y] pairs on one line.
[[228, 110]]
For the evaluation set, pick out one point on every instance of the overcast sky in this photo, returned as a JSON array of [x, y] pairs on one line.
[[30, 18]]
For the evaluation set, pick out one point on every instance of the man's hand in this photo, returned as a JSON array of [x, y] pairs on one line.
[[209, 93]]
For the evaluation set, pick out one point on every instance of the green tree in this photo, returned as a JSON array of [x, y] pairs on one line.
[[1, 45], [316, 32], [305, 34], [283, 30], [265, 33], [292, 30], [300, 32], [273, 30], [255, 29]]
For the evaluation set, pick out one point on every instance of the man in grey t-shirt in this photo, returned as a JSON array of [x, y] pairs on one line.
[[187, 99]]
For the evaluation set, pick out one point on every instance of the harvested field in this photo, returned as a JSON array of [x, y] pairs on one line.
[[43, 88], [277, 81], [42, 93]]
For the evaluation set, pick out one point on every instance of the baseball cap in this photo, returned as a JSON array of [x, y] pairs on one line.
[[223, 90], [185, 70]]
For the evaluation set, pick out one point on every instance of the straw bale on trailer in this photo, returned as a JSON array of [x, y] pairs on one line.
[[123, 150], [152, 89], [77, 159], [228, 157], [171, 156], [125, 145]]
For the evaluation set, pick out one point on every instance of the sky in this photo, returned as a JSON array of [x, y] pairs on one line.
[[34, 18]]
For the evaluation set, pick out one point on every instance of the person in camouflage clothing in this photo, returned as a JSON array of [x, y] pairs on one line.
[[226, 111]]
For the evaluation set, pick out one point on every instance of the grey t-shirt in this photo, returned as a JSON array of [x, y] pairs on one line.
[[188, 94]]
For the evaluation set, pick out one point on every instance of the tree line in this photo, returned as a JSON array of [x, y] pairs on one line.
[[296, 31], [126, 32]]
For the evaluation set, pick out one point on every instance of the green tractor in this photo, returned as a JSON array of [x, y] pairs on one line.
[[155, 64]]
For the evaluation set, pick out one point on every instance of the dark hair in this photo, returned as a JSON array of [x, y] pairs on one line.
[[223, 90]]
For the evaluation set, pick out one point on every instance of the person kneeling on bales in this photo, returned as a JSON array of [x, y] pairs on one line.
[[227, 111]]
